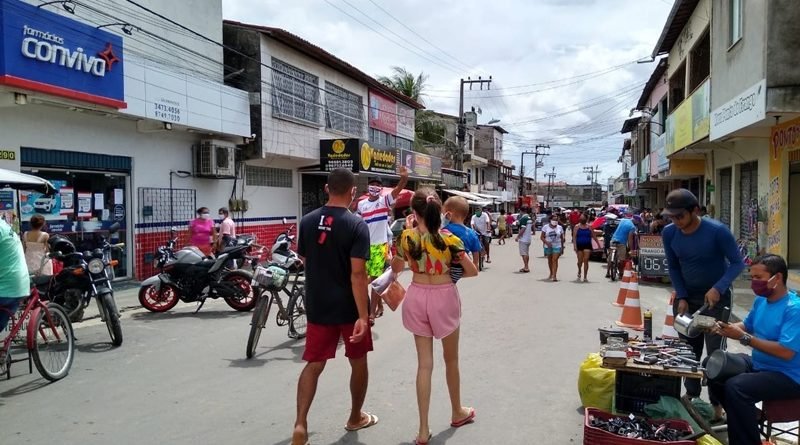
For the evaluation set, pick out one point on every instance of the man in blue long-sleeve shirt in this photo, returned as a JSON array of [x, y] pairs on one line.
[[703, 260]]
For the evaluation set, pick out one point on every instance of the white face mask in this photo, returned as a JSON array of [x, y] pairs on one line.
[[205, 215], [553, 223]]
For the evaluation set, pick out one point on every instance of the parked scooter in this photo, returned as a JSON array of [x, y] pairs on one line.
[[85, 275], [189, 276]]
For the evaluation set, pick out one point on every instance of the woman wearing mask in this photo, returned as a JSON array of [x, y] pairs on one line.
[[432, 305], [201, 231], [553, 239], [583, 238]]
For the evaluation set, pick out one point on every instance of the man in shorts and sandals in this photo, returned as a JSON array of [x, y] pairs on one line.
[[375, 211], [334, 245], [524, 238]]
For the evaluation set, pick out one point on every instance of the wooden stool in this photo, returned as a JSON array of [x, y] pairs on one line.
[[779, 411]]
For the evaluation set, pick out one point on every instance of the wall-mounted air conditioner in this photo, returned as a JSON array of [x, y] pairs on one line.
[[214, 159]]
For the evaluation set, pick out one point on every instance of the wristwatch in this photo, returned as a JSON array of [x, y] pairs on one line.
[[746, 339]]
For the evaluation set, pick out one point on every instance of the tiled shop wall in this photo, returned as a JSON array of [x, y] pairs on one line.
[[149, 238]]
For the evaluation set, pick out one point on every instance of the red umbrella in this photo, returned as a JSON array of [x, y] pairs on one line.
[[598, 223], [402, 201]]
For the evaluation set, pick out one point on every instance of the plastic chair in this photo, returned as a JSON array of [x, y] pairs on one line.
[[779, 411]]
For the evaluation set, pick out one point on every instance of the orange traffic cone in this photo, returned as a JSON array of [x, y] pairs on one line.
[[624, 285], [668, 331], [632, 312]]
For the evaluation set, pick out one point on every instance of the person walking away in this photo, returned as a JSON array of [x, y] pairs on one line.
[[432, 305], [609, 227], [227, 230], [334, 245], [201, 231], [703, 261], [375, 211], [509, 223], [553, 239], [456, 210], [574, 217], [36, 248], [772, 330], [583, 237], [524, 238], [501, 227], [482, 223], [14, 278]]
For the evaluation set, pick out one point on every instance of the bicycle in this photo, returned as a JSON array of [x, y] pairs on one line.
[[613, 264], [50, 341], [268, 283]]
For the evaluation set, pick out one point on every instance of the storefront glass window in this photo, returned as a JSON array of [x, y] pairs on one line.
[[86, 205]]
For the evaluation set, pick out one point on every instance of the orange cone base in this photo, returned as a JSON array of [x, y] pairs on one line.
[[630, 326]]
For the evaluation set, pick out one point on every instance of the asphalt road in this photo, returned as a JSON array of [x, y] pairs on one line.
[[182, 378]]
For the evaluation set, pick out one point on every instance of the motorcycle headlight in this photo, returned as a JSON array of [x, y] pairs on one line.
[[96, 266]]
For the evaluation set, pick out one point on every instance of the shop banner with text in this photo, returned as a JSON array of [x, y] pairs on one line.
[[382, 112], [785, 138], [357, 156]]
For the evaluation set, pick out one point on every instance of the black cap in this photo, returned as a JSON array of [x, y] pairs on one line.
[[374, 180], [678, 201]]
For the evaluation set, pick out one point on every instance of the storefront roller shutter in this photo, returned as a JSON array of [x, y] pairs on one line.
[[748, 201], [37, 157], [725, 193]]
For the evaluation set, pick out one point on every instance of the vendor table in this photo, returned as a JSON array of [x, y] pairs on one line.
[[638, 385]]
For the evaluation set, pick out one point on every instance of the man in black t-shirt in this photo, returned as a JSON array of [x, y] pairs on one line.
[[334, 245]]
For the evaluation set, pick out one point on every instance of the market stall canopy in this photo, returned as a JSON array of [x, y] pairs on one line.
[[473, 199], [484, 196], [21, 181]]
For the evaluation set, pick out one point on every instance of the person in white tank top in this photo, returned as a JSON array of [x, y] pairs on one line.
[[36, 248]]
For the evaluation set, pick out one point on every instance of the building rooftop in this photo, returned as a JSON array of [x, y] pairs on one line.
[[315, 52], [678, 18]]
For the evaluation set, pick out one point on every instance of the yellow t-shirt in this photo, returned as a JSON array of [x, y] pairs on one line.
[[422, 254]]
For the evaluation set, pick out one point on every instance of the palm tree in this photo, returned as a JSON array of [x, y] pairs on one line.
[[405, 82], [428, 130]]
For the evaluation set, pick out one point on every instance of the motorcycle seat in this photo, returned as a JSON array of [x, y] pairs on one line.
[[207, 262], [41, 280], [232, 249]]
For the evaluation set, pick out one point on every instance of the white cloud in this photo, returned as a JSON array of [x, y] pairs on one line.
[[518, 42]]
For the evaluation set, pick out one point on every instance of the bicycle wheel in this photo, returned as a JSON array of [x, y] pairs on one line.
[[54, 346], [614, 266], [260, 315], [297, 314]]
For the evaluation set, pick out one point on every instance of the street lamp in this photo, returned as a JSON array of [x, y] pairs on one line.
[[493, 121]]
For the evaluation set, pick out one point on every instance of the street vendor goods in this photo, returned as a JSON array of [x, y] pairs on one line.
[[602, 428]]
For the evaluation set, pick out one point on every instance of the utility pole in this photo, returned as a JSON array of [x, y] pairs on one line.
[[462, 124], [522, 172], [551, 182], [593, 172], [537, 155]]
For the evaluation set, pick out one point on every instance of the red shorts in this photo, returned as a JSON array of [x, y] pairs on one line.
[[322, 340]]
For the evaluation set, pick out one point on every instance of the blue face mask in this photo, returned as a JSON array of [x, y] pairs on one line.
[[445, 220]]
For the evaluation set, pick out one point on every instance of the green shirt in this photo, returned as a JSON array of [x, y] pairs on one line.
[[14, 279], [526, 223]]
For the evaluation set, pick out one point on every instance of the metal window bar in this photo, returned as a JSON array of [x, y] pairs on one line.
[[294, 92], [162, 205], [269, 176]]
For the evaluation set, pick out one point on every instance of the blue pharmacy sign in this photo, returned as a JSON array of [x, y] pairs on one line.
[[49, 53]]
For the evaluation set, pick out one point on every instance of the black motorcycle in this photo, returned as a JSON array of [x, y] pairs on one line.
[[85, 275], [189, 276]]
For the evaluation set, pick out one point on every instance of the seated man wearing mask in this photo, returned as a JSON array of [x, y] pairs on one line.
[[772, 329]]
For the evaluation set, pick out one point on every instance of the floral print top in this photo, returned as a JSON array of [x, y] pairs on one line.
[[422, 254]]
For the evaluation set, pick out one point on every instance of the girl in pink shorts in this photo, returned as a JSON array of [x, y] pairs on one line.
[[432, 306]]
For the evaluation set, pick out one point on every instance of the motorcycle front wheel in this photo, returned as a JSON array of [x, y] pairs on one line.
[[159, 300], [109, 309], [246, 300]]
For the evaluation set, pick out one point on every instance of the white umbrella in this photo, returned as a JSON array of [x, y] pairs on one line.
[[21, 181]]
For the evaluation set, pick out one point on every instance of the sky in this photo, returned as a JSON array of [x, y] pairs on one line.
[[564, 72]]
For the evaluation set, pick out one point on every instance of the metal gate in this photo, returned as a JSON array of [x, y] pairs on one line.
[[748, 201], [725, 195], [162, 207]]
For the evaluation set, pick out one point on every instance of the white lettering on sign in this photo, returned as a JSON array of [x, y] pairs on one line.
[[47, 47]]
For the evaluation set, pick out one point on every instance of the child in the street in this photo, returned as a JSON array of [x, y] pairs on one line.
[[456, 211]]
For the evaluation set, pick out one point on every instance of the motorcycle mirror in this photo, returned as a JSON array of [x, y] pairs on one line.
[[284, 220], [114, 228]]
